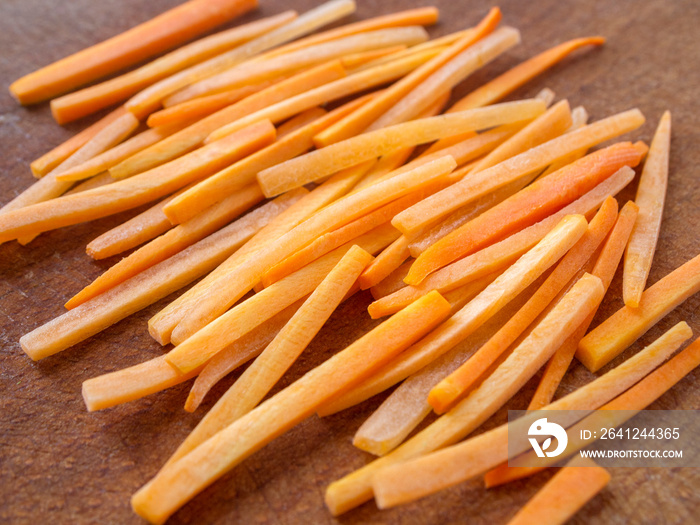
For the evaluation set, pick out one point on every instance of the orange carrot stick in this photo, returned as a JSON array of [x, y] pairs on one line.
[[525, 208], [458, 383], [651, 193], [386, 262], [101, 179], [392, 283], [170, 243], [173, 486], [354, 60], [604, 268], [88, 100], [143, 41], [138, 190], [625, 326]]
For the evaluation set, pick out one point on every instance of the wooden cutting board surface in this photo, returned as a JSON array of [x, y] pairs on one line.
[[60, 464]]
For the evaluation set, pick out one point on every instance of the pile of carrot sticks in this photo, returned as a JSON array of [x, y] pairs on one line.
[[286, 167]]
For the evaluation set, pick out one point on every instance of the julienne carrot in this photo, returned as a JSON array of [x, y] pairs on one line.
[[143, 41], [91, 99], [605, 267], [166, 492], [453, 387], [386, 262], [96, 181], [355, 60], [651, 193], [150, 99], [563, 495], [392, 283], [137, 190], [421, 461], [625, 326]]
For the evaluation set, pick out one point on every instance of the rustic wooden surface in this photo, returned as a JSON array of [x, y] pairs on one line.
[[60, 464]]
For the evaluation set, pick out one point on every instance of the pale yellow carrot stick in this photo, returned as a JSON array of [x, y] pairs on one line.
[[312, 55], [512, 374], [355, 60], [477, 185], [93, 182], [501, 253], [579, 118], [625, 326], [651, 194], [359, 120], [133, 192], [332, 216], [150, 98], [328, 160], [485, 451], [88, 100], [173, 486], [145, 288], [170, 243]]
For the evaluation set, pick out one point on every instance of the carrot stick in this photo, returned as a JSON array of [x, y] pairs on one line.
[[88, 100], [473, 187], [386, 262], [625, 326], [510, 376], [436, 470], [138, 190], [332, 216], [392, 283], [323, 162], [563, 495], [359, 120], [309, 56], [525, 208], [459, 382], [150, 98], [604, 268], [138, 43], [354, 60], [626, 405], [501, 253], [512, 79], [53, 158], [173, 486], [170, 243], [579, 118], [215, 188], [651, 193], [241, 351], [145, 288], [96, 181]]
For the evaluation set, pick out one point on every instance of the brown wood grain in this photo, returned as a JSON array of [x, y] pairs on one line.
[[59, 464]]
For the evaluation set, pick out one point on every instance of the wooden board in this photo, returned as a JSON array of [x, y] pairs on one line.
[[59, 464]]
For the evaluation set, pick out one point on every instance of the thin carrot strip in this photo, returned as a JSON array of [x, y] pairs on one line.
[[150, 98], [145, 288], [512, 79], [90, 99], [438, 45], [392, 283], [501, 253], [386, 262], [172, 487], [335, 157], [53, 158], [170, 243], [163, 32], [651, 194], [604, 268], [625, 326], [101, 179], [528, 206], [436, 470], [359, 120], [138, 190], [458, 383], [354, 60], [332, 216], [641, 395], [579, 118], [479, 184], [509, 377]]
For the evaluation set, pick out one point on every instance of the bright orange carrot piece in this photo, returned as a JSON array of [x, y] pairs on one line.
[[386, 262], [137, 190], [459, 382], [528, 206], [512, 79], [651, 194], [143, 41], [604, 268], [173, 486], [625, 326]]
